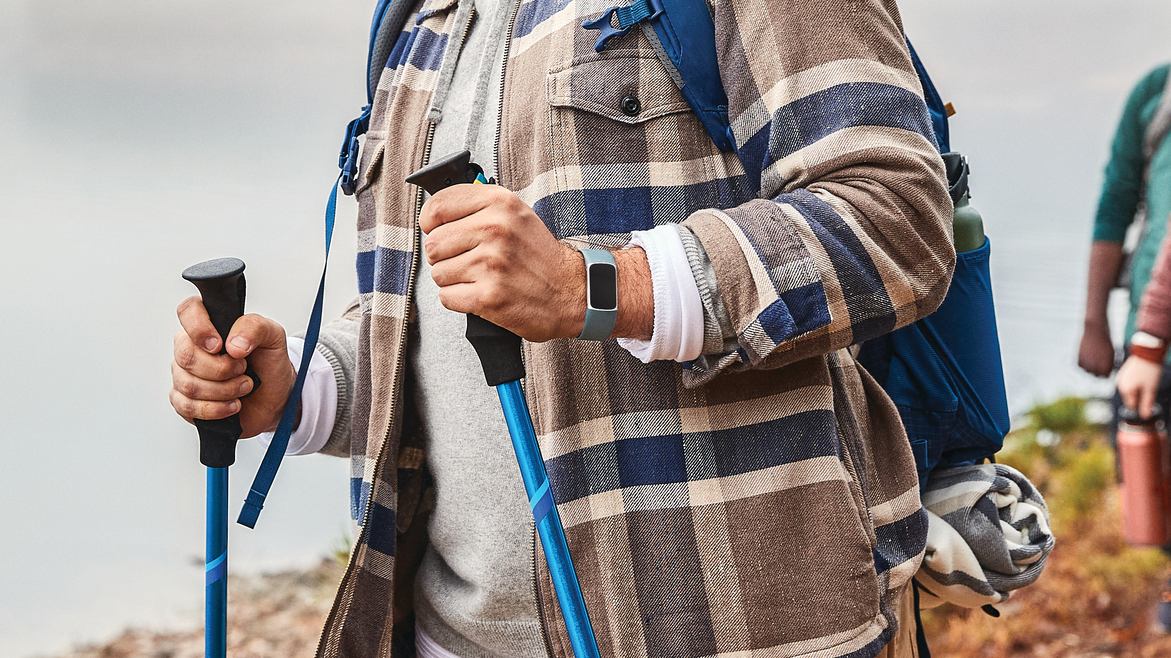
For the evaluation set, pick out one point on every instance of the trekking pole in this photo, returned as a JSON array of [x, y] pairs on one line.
[[500, 356], [221, 284]]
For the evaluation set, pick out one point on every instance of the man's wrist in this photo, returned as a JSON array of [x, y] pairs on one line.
[[1096, 324], [574, 308], [636, 295], [636, 298], [601, 273]]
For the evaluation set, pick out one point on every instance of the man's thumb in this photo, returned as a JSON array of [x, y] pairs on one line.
[[258, 339]]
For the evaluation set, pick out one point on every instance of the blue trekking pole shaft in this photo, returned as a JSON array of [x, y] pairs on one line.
[[215, 589], [549, 528], [500, 356], [221, 284]]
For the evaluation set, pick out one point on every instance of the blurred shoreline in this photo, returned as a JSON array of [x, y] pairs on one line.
[[270, 615]]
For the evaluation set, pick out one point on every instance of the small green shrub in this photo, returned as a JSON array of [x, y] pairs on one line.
[[1075, 496], [1061, 416], [341, 550]]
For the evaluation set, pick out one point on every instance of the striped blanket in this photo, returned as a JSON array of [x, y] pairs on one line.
[[988, 535]]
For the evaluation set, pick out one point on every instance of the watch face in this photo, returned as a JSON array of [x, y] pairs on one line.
[[602, 288]]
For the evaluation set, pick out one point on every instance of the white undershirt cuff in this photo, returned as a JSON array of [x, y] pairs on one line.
[[678, 328], [318, 404], [425, 647]]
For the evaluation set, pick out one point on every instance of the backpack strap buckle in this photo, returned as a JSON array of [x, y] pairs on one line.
[[348, 158], [627, 17]]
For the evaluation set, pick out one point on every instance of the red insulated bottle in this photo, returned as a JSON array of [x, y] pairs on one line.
[[1145, 460]]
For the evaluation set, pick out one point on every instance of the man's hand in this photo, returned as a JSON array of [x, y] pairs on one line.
[[1095, 355], [491, 255], [1138, 382], [208, 385]]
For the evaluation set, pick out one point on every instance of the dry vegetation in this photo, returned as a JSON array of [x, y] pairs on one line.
[[1096, 597]]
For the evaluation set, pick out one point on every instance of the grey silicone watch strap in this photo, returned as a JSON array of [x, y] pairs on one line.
[[601, 294]]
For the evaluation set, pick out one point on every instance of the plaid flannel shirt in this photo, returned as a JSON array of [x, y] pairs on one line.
[[762, 499]]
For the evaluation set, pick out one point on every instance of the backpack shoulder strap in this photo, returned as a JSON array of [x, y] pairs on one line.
[[935, 106], [1157, 130], [684, 38], [388, 21], [389, 18]]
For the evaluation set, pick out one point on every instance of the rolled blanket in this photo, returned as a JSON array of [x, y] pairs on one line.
[[987, 535]]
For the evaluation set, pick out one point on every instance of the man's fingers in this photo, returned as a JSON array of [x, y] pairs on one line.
[[202, 409], [196, 323], [464, 268], [457, 202], [194, 388], [1146, 401], [462, 298], [199, 363], [451, 240], [1129, 397]]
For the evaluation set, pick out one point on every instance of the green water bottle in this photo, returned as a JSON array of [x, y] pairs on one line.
[[967, 225]]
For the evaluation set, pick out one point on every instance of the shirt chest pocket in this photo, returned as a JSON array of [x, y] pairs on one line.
[[623, 86], [619, 107]]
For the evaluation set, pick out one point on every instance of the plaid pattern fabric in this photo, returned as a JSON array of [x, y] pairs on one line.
[[761, 500]]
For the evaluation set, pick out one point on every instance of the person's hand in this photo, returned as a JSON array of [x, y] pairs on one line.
[[491, 255], [1138, 381], [1095, 355], [208, 385]]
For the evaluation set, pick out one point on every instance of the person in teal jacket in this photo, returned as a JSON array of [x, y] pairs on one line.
[[1133, 178], [1122, 193]]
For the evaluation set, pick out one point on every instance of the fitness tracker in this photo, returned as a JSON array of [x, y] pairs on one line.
[[601, 294]]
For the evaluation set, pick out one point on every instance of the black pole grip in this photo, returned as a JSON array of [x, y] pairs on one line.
[[1132, 415], [497, 347], [221, 284], [446, 171]]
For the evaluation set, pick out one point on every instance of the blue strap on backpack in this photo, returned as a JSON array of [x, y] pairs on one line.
[[935, 106], [688, 53], [690, 56], [389, 17]]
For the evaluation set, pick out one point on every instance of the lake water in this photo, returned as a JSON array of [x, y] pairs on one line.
[[139, 137]]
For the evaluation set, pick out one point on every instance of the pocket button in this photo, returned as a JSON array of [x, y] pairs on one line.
[[631, 105]]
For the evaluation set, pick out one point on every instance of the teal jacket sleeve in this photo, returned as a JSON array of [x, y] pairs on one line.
[[1124, 174]]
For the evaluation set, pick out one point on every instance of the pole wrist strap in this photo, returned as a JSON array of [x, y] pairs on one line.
[[280, 440]]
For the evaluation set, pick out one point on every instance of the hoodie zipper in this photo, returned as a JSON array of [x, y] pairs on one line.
[[537, 595], [419, 199], [499, 130], [386, 435], [503, 77]]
